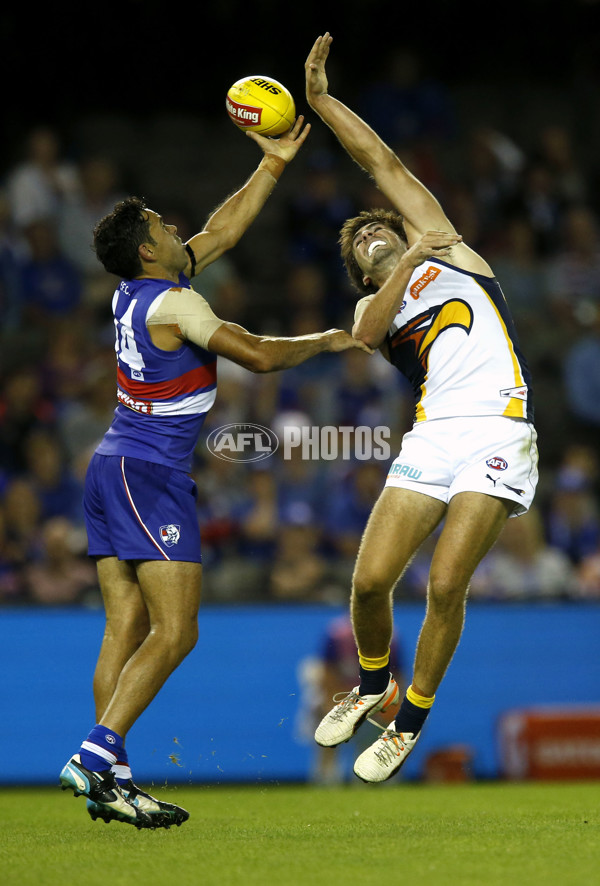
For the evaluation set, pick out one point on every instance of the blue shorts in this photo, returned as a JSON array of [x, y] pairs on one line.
[[138, 510]]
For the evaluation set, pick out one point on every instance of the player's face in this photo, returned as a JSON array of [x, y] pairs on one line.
[[168, 248], [377, 250]]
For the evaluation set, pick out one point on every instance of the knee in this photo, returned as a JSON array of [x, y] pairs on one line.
[[178, 640], [446, 594], [189, 639], [371, 585], [128, 632]]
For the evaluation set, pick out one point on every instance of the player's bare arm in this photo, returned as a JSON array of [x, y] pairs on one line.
[[231, 220], [184, 315], [420, 209], [268, 354], [375, 312]]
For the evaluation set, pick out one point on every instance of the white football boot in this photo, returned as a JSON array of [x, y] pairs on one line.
[[384, 757], [342, 721]]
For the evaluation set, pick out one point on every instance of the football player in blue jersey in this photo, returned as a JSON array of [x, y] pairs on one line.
[[140, 500]]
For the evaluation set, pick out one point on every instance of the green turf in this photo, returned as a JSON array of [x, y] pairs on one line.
[[422, 835]]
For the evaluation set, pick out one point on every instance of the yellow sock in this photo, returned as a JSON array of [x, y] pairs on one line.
[[373, 664], [421, 701]]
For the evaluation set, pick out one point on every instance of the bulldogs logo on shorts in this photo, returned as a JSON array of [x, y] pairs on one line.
[[170, 534]]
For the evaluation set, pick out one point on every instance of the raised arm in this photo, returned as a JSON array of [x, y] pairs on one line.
[[420, 209], [230, 221]]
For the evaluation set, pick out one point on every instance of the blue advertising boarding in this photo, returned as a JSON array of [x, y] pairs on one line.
[[238, 708]]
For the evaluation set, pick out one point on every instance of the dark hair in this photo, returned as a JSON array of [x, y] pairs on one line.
[[118, 236], [388, 217]]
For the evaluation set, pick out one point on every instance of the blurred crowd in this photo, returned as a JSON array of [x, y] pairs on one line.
[[285, 530]]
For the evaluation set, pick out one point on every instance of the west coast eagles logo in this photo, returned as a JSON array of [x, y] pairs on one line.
[[420, 332], [170, 534]]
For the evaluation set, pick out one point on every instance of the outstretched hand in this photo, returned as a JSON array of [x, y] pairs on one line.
[[340, 340], [287, 145], [316, 78]]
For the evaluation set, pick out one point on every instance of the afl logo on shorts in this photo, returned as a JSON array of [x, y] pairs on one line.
[[497, 463], [169, 534]]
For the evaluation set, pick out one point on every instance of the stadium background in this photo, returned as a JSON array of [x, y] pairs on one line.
[[504, 129]]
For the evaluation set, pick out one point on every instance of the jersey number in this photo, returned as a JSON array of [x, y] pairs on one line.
[[125, 345]]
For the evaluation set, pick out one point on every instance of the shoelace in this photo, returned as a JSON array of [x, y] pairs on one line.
[[347, 702], [390, 747]]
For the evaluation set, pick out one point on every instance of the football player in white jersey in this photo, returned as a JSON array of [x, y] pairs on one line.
[[434, 309]]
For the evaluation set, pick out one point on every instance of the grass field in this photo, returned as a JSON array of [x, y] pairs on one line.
[[422, 835]]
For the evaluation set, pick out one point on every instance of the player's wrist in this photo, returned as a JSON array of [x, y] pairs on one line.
[[273, 164], [316, 98]]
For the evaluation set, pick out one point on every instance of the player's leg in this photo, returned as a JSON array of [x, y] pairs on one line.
[[127, 626], [473, 523], [400, 522], [171, 593], [161, 601]]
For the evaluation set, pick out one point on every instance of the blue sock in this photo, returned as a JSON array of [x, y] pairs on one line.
[[410, 717], [101, 749], [373, 682]]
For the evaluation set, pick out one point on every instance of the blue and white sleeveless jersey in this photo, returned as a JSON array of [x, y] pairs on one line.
[[163, 395]]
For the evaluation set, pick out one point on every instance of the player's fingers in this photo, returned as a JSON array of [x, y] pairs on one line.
[[259, 139], [302, 137], [297, 126]]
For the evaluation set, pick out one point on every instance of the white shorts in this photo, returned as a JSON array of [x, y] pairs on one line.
[[491, 454]]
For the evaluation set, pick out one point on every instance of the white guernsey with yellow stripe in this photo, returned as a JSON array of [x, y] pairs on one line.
[[455, 341]]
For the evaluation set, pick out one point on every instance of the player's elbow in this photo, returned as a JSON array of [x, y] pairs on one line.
[[261, 360], [370, 337]]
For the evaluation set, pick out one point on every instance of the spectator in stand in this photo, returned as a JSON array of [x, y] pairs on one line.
[[13, 253], [588, 577], [522, 566], [359, 394], [518, 265], [573, 280], [557, 152], [23, 524], [301, 474], [581, 375], [573, 511], [59, 492], [315, 215], [52, 285], [23, 408], [538, 199], [12, 585], [68, 352], [99, 189], [81, 209], [83, 419], [299, 572], [405, 104], [349, 504], [63, 574], [493, 178], [257, 518], [40, 182]]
